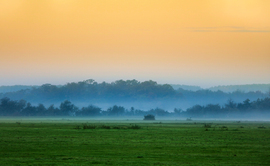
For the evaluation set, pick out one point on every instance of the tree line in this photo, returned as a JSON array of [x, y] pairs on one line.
[[126, 91], [10, 107], [259, 107]]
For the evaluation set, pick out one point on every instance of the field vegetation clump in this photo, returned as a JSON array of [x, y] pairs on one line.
[[85, 126], [88, 126], [207, 125]]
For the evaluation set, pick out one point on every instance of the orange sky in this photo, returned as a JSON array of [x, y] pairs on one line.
[[195, 42]]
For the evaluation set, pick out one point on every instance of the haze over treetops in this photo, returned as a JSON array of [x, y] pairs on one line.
[[196, 42]]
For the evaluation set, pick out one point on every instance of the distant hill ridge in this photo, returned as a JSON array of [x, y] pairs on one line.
[[186, 87], [246, 88], [14, 88], [225, 88]]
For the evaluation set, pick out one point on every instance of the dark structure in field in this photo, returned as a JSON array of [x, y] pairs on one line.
[[149, 117]]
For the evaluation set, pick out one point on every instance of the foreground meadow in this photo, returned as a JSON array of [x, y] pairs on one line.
[[133, 142]]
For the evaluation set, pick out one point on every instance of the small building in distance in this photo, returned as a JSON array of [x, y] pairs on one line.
[[149, 117]]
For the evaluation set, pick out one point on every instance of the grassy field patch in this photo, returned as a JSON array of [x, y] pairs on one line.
[[105, 142]]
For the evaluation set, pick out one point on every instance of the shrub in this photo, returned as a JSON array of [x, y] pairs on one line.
[[223, 128], [207, 125], [85, 126], [77, 127], [105, 127], [135, 127]]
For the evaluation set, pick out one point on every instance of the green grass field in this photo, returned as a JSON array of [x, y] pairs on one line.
[[55, 141]]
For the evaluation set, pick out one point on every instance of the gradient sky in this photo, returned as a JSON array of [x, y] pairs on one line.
[[194, 42]]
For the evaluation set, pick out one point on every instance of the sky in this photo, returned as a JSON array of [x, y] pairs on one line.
[[195, 42]]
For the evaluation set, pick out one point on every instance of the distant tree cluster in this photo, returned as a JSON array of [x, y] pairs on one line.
[[10, 107], [89, 89], [129, 90]]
